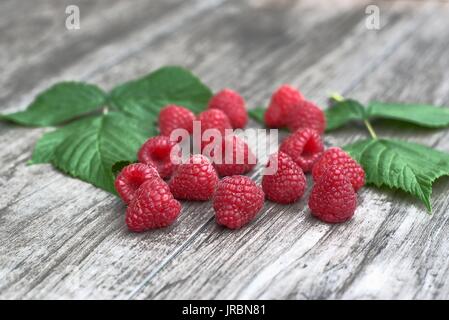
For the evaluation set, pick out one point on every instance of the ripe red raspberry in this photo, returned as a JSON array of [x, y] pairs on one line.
[[156, 151], [237, 201], [304, 146], [195, 179], [173, 117], [152, 207], [236, 157], [350, 167], [307, 115], [333, 198], [233, 105], [288, 184], [131, 178], [283, 101], [214, 119]]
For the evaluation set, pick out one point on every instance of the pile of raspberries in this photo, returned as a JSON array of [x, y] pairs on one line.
[[152, 187]]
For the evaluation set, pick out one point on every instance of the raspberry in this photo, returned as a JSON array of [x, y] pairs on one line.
[[350, 167], [333, 198], [156, 151], [152, 207], [306, 115], [214, 119], [304, 146], [173, 117], [237, 201], [131, 178], [288, 184], [236, 157], [233, 105], [283, 101], [195, 179]]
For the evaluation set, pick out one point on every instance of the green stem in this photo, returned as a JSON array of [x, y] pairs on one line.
[[337, 97], [370, 129]]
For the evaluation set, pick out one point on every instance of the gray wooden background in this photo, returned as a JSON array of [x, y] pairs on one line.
[[62, 238]]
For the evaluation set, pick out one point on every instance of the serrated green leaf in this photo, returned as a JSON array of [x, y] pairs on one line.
[[401, 165], [60, 103], [47, 144], [419, 114], [342, 112], [257, 114], [169, 85], [91, 153]]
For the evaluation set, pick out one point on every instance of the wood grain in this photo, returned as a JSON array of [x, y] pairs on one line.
[[110, 31], [387, 251], [66, 239]]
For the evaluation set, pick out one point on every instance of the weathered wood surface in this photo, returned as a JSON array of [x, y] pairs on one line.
[[62, 238]]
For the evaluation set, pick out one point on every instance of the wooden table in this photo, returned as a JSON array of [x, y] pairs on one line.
[[63, 238]]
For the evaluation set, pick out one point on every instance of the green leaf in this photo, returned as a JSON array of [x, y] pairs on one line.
[[61, 102], [419, 114], [47, 144], [401, 165], [169, 85], [257, 114], [90, 154], [342, 112]]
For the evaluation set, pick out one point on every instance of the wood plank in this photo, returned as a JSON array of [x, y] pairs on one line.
[[165, 20], [43, 51], [413, 262], [76, 261], [28, 279], [391, 249], [38, 197]]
